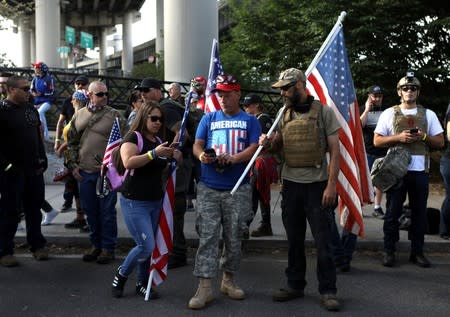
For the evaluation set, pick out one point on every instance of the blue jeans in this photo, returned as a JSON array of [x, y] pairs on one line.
[[341, 248], [415, 184], [301, 202], [42, 109], [141, 218], [100, 213], [445, 209]]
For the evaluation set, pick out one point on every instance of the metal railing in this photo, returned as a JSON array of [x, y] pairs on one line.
[[120, 87]]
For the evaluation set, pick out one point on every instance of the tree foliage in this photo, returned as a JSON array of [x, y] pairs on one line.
[[384, 39]]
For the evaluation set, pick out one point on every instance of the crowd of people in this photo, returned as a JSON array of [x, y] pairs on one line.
[[302, 152]]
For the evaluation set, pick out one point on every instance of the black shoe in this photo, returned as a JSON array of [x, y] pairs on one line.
[[389, 259], [175, 262], [92, 255], [262, 231], [419, 259], [118, 284], [75, 224], [344, 267], [85, 229], [66, 207], [141, 290], [288, 293], [378, 213]]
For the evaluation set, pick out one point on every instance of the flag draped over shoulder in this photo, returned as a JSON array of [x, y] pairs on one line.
[[215, 69], [331, 82], [114, 141]]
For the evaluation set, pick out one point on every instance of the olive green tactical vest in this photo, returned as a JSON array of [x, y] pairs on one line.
[[304, 138]]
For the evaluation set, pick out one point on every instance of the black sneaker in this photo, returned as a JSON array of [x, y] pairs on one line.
[[118, 284], [75, 224], [66, 207], [378, 213], [141, 290], [388, 259], [262, 231]]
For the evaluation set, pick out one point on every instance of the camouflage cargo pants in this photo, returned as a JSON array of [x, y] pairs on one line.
[[218, 210]]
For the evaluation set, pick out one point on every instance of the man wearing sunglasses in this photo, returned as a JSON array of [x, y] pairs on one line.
[[416, 129], [22, 164], [87, 140], [150, 89], [225, 141], [306, 132]]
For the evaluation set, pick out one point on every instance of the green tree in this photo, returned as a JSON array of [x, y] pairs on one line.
[[384, 38]]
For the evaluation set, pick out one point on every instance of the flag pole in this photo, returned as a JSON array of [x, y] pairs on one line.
[[149, 283], [319, 54]]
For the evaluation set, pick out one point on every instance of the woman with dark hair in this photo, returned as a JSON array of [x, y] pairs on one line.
[[142, 193], [135, 102]]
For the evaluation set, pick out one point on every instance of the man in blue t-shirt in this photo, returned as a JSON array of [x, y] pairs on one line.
[[224, 143]]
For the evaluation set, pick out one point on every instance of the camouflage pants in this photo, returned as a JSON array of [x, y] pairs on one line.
[[215, 210]]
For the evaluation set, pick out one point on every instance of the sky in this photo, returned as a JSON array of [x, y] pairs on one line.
[[147, 23]]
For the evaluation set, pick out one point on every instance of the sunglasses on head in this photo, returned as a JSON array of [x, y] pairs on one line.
[[155, 118], [101, 94], [406, 88], [286, 87], [225, 79]]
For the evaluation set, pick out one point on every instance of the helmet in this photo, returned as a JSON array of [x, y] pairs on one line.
[[410, 80], [41, 65]]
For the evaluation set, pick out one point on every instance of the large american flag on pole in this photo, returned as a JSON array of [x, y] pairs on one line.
[[331, 82], [114, 141], [215, 69]]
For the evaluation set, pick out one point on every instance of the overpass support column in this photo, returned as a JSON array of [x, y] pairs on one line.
[[25, 40], [102, 52], [159, 42], [189, 28], [127, 46], [48, 34]]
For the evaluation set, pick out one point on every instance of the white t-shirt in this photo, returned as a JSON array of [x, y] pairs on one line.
[[385, 127]]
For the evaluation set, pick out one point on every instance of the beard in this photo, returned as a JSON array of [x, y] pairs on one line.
[[409, 101], [294, 100]]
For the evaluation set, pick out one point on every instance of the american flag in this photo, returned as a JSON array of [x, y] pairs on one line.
[[331, 82], [215, 69], [114, 141]]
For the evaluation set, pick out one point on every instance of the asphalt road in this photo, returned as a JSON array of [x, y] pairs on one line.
[[65, 286]]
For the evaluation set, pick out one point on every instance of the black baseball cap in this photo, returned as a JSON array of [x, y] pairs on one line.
[[149, 83], [375, 89], [82, 79], [251, 99]]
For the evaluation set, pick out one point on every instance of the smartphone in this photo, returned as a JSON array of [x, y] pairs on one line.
[[175, 145], [415, 130], [210, 152]]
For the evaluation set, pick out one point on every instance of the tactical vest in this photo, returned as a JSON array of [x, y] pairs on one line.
[[405, 122], [304, 137]]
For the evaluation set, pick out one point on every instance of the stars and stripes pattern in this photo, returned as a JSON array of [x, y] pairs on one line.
[[331, 82], [114, 141], [215, 69]]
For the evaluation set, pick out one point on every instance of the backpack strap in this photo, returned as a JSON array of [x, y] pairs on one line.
[[140, 144]]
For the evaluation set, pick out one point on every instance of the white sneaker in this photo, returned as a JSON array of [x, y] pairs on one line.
[[48, 217]]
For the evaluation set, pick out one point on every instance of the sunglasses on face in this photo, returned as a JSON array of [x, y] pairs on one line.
[[406, 88], [101, 94], [155, 118], [286, 87], [79, 84]]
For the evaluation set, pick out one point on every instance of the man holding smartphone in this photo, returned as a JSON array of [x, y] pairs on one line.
[[417, 129]]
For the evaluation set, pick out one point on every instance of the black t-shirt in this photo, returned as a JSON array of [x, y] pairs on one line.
[[67, 109], [146, 182], [265, 122], [368, 131], [20, 138]]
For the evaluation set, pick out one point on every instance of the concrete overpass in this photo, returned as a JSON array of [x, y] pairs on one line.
[[185, 29]]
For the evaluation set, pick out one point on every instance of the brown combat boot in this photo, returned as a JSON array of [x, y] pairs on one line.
[[203, 295], [229, 288]]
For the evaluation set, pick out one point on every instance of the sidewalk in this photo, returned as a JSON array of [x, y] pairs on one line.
[[57, 234]]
